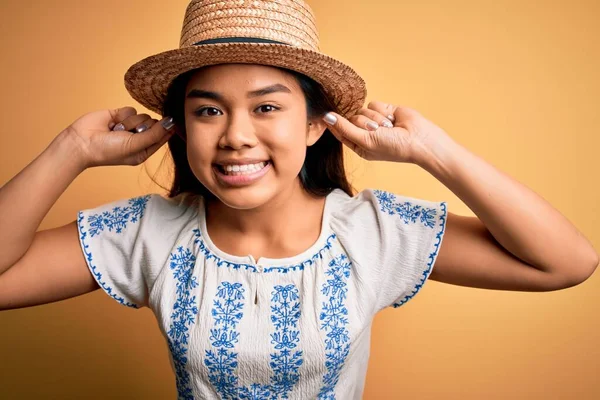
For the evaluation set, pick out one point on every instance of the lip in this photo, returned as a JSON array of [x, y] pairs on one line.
[[241, 180], [241, 161]]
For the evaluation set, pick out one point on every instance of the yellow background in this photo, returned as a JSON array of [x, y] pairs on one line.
[[514, 81]]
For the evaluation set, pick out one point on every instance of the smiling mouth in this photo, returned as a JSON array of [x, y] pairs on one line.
[[240, 170]]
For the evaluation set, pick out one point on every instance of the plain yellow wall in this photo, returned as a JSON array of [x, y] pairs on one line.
[[515, 82]]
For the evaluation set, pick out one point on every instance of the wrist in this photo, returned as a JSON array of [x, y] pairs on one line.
[[67, 147], [438, 156]]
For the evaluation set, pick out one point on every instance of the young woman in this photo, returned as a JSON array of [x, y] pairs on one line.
[[264, 269]]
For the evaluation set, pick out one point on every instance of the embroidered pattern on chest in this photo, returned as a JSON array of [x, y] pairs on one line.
[[222, 362], [183, 316], [334, 321], [208, 255]]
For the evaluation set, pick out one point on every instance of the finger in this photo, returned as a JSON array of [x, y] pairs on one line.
[[154, 148], [152, 136], [401, 114], [353, 146], [144, 126], [376, 116], [119, 114], [344, 129], [405, 114], [385, 109], [131, 122], [363, 122]]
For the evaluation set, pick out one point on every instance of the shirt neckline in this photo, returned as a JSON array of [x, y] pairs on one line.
[[266, 261]]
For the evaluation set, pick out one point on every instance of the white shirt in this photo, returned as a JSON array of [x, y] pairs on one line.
[[307, 335]]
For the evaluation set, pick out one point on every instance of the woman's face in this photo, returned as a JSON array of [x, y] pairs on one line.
[[252, 119]]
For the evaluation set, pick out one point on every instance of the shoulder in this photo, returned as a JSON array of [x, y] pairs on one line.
[[147, 211], [377, 223], [371, 206], [186, 203]]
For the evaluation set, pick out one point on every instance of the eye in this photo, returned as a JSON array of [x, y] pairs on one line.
[[267, 107], [211, 111]]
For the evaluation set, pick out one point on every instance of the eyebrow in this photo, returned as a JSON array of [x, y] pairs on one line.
[[205, 94]]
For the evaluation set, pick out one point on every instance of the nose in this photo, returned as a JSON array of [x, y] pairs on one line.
[[239, 132]]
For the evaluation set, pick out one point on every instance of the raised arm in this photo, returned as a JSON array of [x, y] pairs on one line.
[[26, 199], [38, 267]]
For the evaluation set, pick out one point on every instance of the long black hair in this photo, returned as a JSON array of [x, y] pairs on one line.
[[323, 169]]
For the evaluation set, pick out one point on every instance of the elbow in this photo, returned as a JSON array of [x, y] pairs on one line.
[[583, 274], [593, 267]]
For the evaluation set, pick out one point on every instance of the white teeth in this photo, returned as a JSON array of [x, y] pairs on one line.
[[244, 169]]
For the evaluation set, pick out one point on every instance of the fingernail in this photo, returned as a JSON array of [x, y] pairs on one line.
[[387, 123], [330, 118], [141, 128], [372, 125], [391, 117], [167, 122], [119, 127]]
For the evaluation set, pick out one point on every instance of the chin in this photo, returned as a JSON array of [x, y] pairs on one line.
[[245, 198]]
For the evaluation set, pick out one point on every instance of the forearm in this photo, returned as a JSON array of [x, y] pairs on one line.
[[519, 219], [26, 198]]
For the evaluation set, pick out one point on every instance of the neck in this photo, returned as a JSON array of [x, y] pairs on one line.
[[265, 222]]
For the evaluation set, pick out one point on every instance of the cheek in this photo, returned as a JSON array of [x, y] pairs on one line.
[[287, 144], [200, 148], [287, 129], [288, 132], [285, 133], [202, 143], [200, 156]]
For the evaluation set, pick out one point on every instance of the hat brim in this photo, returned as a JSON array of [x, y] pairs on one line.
[[147, 81]]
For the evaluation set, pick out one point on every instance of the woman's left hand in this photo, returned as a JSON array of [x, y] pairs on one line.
[[385, 132]]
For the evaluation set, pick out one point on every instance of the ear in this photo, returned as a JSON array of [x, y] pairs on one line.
[[315, 129]]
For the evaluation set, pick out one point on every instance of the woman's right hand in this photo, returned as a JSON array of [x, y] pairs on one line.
[[100, 145]]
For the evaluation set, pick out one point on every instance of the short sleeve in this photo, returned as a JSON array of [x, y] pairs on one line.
[[112, 239], [394, 240]]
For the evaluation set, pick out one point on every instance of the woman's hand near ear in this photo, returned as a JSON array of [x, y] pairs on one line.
[[132, 140], [385, 132]]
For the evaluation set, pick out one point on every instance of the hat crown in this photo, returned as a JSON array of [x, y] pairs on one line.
[[291, 22]]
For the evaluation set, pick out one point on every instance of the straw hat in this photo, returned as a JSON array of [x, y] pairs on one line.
[[278, 33]]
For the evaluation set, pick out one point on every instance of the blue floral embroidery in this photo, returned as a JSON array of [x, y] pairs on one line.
[[284, 269], [184, 311], [222, 362], [334, 321], [285, 362], [432, 256], [208, 255], [116, 220], [254, 392], [407, 211], [305, 263]]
